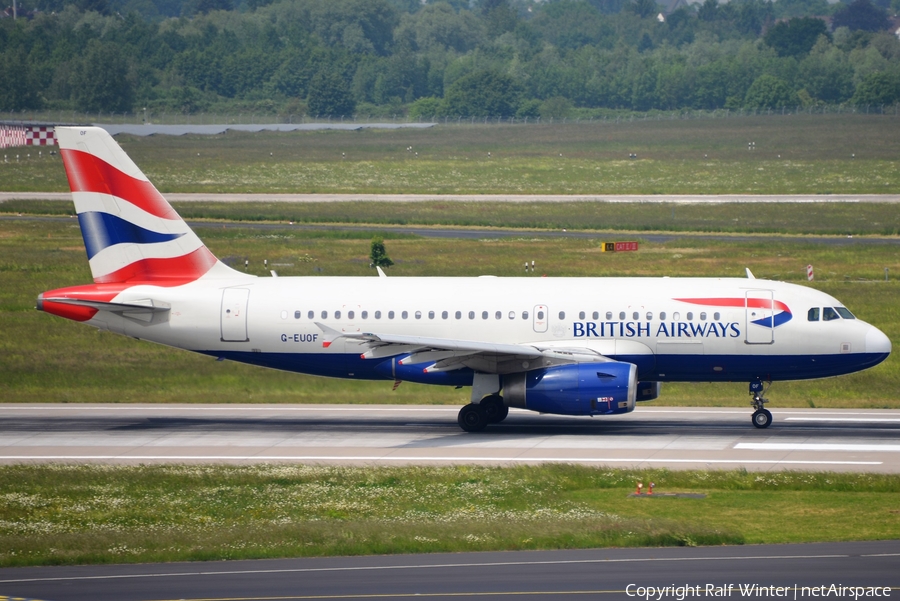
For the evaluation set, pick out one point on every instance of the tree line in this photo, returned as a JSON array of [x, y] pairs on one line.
[[456, 58]]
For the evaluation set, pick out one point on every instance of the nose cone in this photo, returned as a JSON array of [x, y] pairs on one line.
[[877, 342]]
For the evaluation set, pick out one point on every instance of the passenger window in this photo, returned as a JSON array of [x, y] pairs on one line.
[[337, 314], [498, 315], [595, 315], [444, 315], [297, 314], [524, 314], [512, 314], [458, 315], [621, 315], [581, 315], [649, 316], [829, 314], [390, 315], [562, 314], [418, 315], [662, 315], [635, 316], [844, 312], [324, 314], [716, 316], [703, 316], [609, 315], [540, 315], [812, 314], [377, 314], [350, 314], [431, 314], [405, 314], [365, 315], [676, 316], [690, 316], [471, 314], [311, 315], [484, 315]]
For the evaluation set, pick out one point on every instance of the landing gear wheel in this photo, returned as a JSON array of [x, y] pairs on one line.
[[472, 418], [494, 408], [762, 418]]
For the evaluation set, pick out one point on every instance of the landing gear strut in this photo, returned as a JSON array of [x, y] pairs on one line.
[[761, 417]]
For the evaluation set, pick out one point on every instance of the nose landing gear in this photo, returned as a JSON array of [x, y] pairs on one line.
[[761, 417]]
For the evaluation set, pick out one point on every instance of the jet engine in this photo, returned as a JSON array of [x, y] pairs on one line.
[[577, 389]]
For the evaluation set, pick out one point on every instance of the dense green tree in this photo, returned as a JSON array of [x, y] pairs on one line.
[[485, 93], [769, 92], [570, 24], [877, 89], [329, 95], [643, 8], [795, 37], [18, 86], [438, 27], [826, 74], [100, 80], [861, 14]]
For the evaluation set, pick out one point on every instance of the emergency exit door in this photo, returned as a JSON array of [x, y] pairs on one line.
[[234, 314]]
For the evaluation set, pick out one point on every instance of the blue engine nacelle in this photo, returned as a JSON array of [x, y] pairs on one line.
[[578, 389]]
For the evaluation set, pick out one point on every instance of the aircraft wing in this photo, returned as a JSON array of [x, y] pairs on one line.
[[446, 354]]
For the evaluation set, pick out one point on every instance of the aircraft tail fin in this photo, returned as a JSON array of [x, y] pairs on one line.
[[131, 233]]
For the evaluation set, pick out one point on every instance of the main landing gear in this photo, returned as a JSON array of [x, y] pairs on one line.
[[761, 417], [475, 417]]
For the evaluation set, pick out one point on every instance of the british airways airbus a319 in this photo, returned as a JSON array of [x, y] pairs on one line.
[[570, 346]]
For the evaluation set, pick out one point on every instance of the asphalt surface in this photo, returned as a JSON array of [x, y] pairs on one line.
[[671, 437], [752, 571], [492, 233]]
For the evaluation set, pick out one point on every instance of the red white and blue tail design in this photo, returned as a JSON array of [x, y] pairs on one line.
[[131, 233]]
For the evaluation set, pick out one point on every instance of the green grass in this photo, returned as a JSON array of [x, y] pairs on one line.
[[43, 358], [795, 154], [63, 514]]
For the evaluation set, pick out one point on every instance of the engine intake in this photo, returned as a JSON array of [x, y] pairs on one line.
[[578, 389]]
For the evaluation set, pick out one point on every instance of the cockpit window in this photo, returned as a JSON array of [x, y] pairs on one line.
[[813, 314], [844, 312], [829, 314]]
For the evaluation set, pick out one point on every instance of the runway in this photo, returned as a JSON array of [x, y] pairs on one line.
[[674, 438], [510, 198], [755, 571]]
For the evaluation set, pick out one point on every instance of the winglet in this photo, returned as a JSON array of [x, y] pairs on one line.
[[750, 276], [381, 272]]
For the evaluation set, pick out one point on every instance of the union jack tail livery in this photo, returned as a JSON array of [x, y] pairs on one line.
[[131, 233]]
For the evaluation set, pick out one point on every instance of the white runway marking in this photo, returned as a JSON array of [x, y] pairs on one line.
[[414, 458], [842, 419], [789, 446]]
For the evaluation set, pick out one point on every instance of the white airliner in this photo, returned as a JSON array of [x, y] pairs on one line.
[[571, 346]]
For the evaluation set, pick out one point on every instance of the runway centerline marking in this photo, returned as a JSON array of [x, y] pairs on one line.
[[788, 446]]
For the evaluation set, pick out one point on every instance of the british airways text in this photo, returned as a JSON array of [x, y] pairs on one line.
[[638, 329]]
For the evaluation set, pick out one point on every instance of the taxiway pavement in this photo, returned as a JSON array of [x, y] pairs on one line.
[[676, 438], [752, 571]]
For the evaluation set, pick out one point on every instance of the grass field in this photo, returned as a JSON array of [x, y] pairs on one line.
[[821, 154], [101, 514], [43, 358]]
